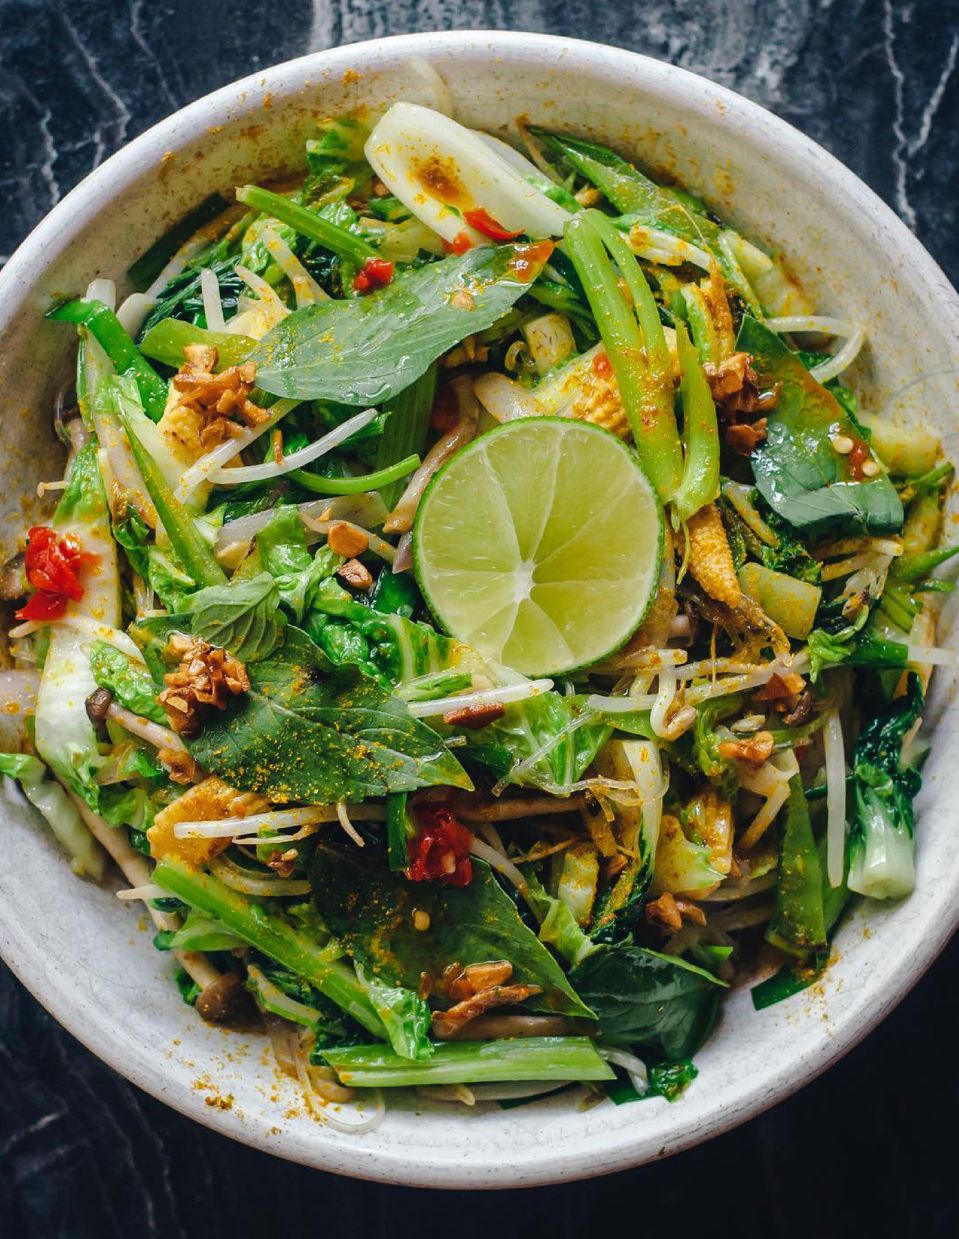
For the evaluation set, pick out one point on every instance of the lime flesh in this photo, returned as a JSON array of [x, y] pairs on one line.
[[540, 544]]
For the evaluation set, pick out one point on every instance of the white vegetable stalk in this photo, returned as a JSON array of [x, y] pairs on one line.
[[431, 164], [133, 312], [442, 97], [663, 247], [365, 509], [835, 798], [853, 334], [203, 469], [146, 893], [212, 305], [305, 288], [272, 469], [102, 290], [485, 697]]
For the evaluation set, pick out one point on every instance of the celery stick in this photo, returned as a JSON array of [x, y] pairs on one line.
[[472, 1062], [272, 935], [307, 223]]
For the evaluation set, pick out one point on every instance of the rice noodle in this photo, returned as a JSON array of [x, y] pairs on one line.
[[305, 288], [820, 324], [240, 879], [634, 1067], [212, 304], [272, 469], [400, 520], [835, 798], [484, 697]]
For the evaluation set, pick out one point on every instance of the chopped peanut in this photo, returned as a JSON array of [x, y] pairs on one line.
[[356, 574], [283, 863], [755, 749], [346, 539], [780, 687], [209, 408], [207, 675]]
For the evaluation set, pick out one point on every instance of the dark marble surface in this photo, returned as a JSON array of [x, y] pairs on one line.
[[867, 1149]]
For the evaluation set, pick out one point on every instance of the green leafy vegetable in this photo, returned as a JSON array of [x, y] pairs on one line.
[[798, 471], [798, 925], [405, 1015], [370, 911], [644, 998], [166, 340], [367, 350], [131, 685], [243, 617], [881, 835]]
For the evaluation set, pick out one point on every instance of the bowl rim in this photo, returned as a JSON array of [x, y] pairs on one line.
[[621, 1148]]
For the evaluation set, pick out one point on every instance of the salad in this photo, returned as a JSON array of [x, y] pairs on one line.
[[477, 619]]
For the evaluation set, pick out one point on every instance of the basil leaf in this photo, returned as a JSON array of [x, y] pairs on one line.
[[369, 910], [242, 617], [644, 998], [366, 350], [305, 732], [798, 471]]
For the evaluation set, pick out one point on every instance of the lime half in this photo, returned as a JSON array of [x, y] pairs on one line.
[[539, 544]]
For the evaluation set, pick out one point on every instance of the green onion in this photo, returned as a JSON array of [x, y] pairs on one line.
[[339, 240], [356, 485], [700, 481], [472, 1062], [640, 359], [123, 353]]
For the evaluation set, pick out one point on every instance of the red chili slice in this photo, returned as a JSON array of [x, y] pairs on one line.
[[459, 245], [375, 273], [480, 219], [440, 852], [53, 563]]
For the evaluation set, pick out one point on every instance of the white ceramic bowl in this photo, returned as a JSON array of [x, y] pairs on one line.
[[89, 960]]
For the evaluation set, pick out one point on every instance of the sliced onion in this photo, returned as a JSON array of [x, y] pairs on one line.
[[305, 288], [852, 332], [400, 519], [240, 879], [504, 399], [366, 509], [655, 245], [835, 798], [485, 697], [272, 469], [634, 1067]]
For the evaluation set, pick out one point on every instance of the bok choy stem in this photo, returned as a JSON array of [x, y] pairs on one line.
[[471, 1062], [272, 935]]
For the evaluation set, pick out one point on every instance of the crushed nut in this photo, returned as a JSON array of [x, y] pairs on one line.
[[180, 766], [755, 749], [801, 710], [735, 387], [670, 911], [356, 574], [462, 299], [743, 438], [346, 539], [421, 920], [207, 676], [283, 863], [474, 717], [476, 989], [780, 687], [221, 401]]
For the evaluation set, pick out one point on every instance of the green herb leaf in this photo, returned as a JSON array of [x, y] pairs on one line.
[[798, 471], [368, 349], [131, 685], [644, 998], [370, 911], [243, 617]]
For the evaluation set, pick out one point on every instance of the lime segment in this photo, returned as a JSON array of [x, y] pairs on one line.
[[539, 544]]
